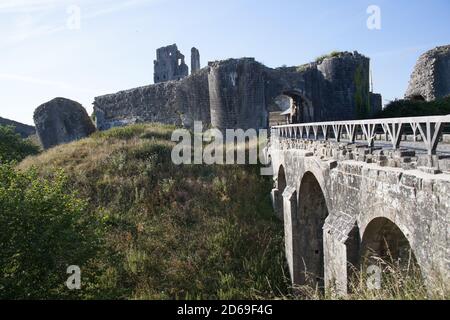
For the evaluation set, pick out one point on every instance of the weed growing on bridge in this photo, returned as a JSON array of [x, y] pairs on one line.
[[398, 281]]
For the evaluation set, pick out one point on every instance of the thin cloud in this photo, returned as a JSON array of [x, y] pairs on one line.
[[117, 7], [98, 7], [403, 51], [34, 27], [27, 6], [43, 82]]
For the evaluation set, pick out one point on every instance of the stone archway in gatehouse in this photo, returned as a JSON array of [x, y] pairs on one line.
[[290, 106]]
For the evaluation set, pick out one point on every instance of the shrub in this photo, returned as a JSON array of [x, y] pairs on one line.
[[332, 54], [416, 108], [13, 147], [44, 228]]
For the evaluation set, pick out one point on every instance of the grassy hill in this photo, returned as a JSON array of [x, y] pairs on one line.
[[164, 231]]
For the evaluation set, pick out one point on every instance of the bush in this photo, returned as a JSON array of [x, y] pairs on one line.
[[13, 147], [415, 108], [332, 54], [44, 228]]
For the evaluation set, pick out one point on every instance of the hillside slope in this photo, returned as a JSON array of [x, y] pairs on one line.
[[23, 129], [191, 231]]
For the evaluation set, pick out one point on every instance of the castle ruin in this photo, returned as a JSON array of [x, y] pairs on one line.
[[170, 64], [240, 93]]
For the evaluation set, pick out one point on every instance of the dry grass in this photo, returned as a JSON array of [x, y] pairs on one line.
[[189, 231]]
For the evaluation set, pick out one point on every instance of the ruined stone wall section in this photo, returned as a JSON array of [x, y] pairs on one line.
[[169, 64], [237, 98], [347, 76], [431, 76], [240, 93], [195, 60], [174, 102]]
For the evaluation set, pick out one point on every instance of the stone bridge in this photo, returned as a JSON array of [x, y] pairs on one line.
[[351, 190]]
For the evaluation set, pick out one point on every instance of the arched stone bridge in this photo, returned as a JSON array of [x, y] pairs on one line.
[[350, 190]]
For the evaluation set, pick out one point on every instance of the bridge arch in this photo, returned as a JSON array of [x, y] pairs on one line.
[[312, 213], [383, 238]]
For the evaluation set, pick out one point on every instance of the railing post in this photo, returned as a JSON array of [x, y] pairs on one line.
[[325, 131], [316, 131], [337, 129]]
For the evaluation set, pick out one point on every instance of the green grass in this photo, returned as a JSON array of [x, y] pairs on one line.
[[189, 231]]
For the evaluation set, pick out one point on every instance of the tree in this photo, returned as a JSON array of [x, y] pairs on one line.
[[44, 229], [13, 147]]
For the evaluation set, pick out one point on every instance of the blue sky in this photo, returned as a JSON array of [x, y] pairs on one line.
[[43, 57]]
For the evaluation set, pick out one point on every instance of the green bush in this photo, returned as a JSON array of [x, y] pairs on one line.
[[44, 228], [13, 147], [332, 54], [411, 108]]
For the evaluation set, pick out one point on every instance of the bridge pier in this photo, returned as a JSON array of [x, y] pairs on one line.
[[335, 263], [291, 236], [277, 202]]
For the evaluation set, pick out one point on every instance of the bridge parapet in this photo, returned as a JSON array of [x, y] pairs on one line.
[[409, 143]]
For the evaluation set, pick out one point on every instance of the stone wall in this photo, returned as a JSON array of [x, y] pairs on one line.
[[173, 102], [236, 89], [348, 78], [240, 93], [195, 60], [376, 103], [431, 76]]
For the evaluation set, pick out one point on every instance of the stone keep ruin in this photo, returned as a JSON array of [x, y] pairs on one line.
[[240, 93], [169, 64]]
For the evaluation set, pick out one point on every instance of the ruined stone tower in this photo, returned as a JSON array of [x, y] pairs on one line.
[[170, 64], [195, 60], [430, 79]]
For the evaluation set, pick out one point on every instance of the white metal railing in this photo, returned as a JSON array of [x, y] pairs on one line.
[[429, 128]]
